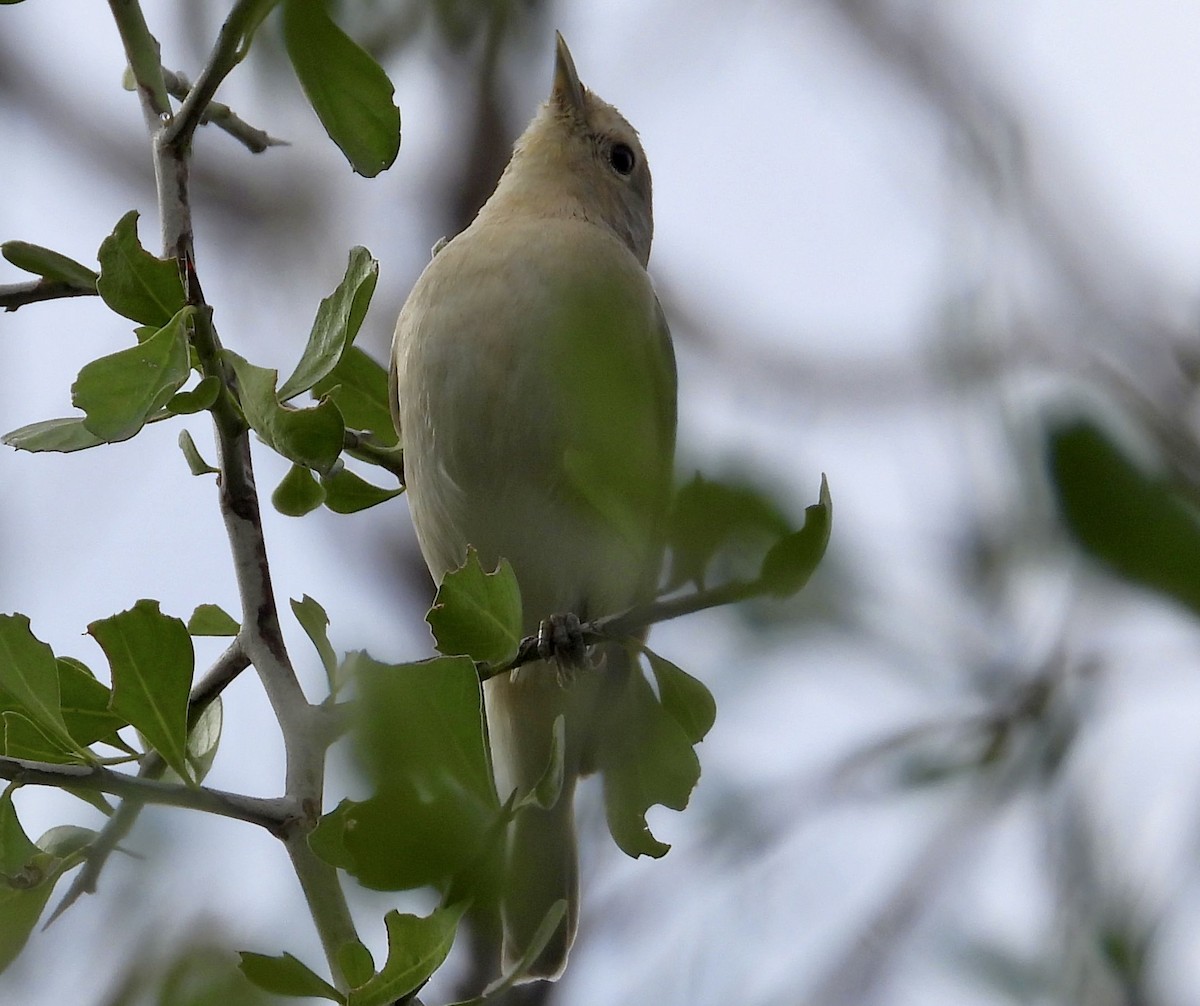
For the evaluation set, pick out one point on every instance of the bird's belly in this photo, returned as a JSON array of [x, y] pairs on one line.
[[565, 557]]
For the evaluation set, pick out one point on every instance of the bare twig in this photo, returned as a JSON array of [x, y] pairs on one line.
[[229, 50], [15, 295], [627, 623], [223, 117], [142, 52], [364, 447], [275, 814]]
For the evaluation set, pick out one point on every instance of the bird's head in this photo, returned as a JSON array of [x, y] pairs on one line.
[[580, 157]]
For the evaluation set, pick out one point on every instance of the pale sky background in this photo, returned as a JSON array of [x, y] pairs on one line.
[[819, 217]]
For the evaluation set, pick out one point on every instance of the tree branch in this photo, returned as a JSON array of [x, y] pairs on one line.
[[223, 117], [364, 447], [15, 295], [276, 814], [227, 667], [142, 51], [261, 638], [627, 623], [229, 50]]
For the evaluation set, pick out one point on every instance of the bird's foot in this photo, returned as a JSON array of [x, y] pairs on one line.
[[560, 639]]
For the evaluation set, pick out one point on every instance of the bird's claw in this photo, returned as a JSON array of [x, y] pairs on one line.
[[560, 639]]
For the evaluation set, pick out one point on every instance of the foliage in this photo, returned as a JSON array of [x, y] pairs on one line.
[[433, 818]]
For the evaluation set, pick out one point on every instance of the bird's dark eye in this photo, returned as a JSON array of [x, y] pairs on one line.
[[621, 157]]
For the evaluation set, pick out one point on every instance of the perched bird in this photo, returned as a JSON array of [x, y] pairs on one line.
[[534, 388]]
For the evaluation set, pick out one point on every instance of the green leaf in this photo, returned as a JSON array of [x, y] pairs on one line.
[[359, 386], [66, 841], [85, 705], [423, 721], [647, 759], [416, 949], [23, 888], [197, 972], [711, 517], [29, 673], [1135, 523], [684, 697], [48, 264], [16, 850], [548, 788], [346, 493], [20, 910], [348, 90], [151, 659], [792, 560], [520, 969], [314, 621], [298, 493], [212, 620], [204, 738], [476, 613], [61, 435], [121, 391], [25, 739], [196, 464], [338, 320], [420, 737], [133, 282], [201, 397], [401, 839], [286, 976], [356, 963], [309, 437]]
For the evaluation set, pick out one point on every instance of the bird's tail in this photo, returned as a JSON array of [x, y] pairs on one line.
[[543, 868], [542, 865]]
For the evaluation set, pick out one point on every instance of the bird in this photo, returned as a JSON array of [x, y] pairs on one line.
[[533, 383]]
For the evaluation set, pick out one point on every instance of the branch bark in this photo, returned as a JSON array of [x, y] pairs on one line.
[[15, 295], [275, 814], [261, 638], [627, 623]]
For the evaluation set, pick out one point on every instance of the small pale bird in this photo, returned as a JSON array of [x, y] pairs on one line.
[[534, 387]]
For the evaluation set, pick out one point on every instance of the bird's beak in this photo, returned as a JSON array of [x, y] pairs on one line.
[[567, 92]]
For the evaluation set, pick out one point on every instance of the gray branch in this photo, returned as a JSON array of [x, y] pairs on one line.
[[277, 815], [15, 295], [223, 117]]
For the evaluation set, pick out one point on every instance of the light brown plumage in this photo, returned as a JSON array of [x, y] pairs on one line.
[[535, 392]]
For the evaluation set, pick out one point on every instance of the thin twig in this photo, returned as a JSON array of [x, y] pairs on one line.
[[223, 117], [230, 49], [15, 295], [142, 53], [628, 623], [274, 814], [366, 448]]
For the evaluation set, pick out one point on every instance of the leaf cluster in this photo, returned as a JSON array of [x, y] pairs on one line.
[[121, 393], [432, 818]]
